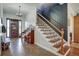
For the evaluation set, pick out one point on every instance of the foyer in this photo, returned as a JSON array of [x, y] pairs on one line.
[[37, 30]]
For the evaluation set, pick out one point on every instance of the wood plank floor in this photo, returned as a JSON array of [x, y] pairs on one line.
[[74, 50], [20, 48]]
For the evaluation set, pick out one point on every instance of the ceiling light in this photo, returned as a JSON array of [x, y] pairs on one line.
[[19, 14]]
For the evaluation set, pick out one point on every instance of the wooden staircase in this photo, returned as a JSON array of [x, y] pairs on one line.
[[53, 37]]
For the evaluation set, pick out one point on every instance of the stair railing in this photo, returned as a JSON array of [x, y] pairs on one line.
[[62, 40], [59, 31]]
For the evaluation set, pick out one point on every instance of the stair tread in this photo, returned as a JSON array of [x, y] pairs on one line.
[[54, 40], [51, 36], [58, 45], [46, 30], [44, 27], [40, 24], [49, 33]]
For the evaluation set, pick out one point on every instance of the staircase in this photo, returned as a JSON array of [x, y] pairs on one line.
[[53, 38]]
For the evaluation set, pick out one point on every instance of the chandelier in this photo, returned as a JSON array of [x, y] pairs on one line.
[[19, 14]]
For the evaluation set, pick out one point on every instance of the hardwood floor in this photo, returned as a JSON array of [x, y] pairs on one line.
[[20, 48], [74, 50]]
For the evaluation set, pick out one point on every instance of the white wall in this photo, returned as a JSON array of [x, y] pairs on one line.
[[1, 10], [71, 14], [31, 16], [43, 42], [0, 30]]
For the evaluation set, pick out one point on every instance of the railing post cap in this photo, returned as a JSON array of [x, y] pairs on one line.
[[62, 29]]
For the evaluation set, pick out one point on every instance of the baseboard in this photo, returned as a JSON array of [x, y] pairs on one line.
[[50, 50]]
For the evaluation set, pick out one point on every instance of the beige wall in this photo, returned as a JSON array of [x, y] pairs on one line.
[[71, 14]]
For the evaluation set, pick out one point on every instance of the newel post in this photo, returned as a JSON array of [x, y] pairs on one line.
[[62, 40]]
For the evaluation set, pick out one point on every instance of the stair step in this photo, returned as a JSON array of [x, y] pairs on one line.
[[42, 27], [65, 50], [51, 36], [49, 33], [54, 40], [40, 24], [46, 30], [58, 44]]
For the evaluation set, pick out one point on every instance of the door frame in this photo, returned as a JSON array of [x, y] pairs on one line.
[[9, 24]]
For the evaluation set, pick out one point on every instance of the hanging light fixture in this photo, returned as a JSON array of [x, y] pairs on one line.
[[61, 3], [19, 14]]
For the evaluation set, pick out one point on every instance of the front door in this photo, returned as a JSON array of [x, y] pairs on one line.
[[14, 29], [76, 29]]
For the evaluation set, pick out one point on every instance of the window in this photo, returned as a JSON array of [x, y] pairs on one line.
[[8, 26], [19, 28]]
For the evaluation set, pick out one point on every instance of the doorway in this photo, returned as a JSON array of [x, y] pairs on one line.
[[13, 28], [76, 29]]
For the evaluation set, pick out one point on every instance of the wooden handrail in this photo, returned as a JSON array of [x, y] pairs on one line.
[[61, 31], [50, 23], [57, 24]]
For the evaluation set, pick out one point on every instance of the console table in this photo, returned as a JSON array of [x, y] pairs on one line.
[[30, 37]]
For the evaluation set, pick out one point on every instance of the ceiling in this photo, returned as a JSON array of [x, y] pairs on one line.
[[13, 8], [75, 7]]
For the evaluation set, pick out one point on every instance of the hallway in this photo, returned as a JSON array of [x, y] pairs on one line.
[[20, 48]]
